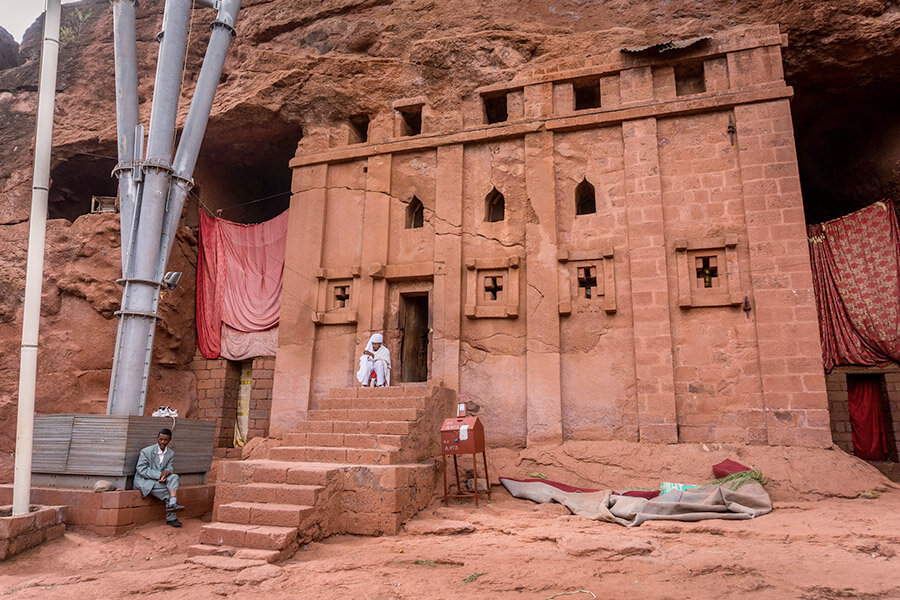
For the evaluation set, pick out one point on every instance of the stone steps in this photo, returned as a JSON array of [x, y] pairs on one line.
[[339, 426], [380, 403], [259, 513], [366, 414], [363, 456], [238, 555], [354, 467], [346, 440], [274, 471], [246, 535]]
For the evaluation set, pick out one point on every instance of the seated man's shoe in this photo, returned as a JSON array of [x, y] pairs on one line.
[[173, 507], [173, 523]]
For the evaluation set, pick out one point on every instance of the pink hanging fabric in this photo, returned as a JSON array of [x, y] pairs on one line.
[[210, 289], [867, 418], [239, 278], [241, 345], [856, 275]]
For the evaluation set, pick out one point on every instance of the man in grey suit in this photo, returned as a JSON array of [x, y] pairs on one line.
[[154, 475]]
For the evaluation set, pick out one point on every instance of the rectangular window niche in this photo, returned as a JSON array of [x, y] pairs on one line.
[[492, 288], [337, 295], [589, 276], [708, 272]]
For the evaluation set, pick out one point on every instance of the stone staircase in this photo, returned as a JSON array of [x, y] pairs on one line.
[[363, 463]]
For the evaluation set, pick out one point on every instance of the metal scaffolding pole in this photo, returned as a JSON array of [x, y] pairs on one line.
[[197, 119], [159, 183], [35, 270], [125, 45]]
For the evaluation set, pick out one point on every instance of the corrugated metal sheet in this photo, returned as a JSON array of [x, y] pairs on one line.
[[667, 46], [107, 445], [51, 443]]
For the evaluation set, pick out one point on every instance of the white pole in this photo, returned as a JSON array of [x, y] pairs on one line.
[[35, 270]]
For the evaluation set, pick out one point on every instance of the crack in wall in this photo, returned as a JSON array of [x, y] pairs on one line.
[[493, 239]]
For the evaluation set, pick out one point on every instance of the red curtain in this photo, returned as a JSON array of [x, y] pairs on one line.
[[239, 277], [867, 418], [856, 274]]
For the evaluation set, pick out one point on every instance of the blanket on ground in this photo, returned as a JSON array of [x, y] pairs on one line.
[[750, 500]]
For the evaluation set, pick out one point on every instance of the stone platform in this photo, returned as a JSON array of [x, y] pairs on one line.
[[363, 463], [19, 533], [114, 513]]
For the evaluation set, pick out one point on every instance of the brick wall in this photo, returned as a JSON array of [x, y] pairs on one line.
[[841, 430], [218, 382], [261, 396]]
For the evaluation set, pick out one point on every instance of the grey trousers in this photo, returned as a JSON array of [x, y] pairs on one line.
[[161, 491]]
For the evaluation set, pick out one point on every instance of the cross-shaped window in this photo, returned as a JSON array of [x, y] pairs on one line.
[[707, 272], [587, 280], [493, 285], [341, 295]]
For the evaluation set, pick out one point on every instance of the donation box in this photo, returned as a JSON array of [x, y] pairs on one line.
[[462, 435]]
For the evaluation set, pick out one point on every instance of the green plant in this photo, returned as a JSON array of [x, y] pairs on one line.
[[70, 32]]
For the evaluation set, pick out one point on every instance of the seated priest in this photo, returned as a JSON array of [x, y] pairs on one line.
[[375, 363]]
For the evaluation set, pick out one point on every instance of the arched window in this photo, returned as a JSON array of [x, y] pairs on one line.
[[584, 199], [415, 214], [494, 207]]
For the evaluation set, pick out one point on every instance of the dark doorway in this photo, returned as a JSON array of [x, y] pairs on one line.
[[413, 337]]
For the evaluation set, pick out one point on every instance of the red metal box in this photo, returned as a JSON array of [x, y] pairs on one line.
[[462, 435]]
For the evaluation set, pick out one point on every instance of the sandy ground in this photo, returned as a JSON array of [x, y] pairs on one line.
[[822, 549]]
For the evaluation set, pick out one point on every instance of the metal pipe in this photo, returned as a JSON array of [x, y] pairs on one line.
[[125, 48], [197, 120], [134, 343], [35, 268]]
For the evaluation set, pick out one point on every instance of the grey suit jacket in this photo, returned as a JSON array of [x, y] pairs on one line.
[[149, 468]]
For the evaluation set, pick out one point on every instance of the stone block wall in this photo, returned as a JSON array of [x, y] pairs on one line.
[[22, 532], [218, 382], [114, 513], [841, 429], [561, 323], [261, 396]]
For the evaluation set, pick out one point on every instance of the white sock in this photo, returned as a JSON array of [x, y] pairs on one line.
[[173, 500]]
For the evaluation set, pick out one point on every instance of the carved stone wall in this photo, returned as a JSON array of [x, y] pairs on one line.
[[618, 251]]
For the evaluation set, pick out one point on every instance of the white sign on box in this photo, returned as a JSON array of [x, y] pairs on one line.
[[464, 432]]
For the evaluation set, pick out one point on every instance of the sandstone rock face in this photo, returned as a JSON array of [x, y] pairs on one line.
[[78, 329], [299, 67], [9, 50]]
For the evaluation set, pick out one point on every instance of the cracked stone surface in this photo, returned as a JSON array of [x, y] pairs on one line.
[[828, 542], [300, 66]]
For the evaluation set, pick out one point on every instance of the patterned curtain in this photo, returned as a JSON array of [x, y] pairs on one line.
[[856, 275]]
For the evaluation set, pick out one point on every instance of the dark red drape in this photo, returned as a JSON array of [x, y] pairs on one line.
[[856, 274], [239, 279], [867, 418]]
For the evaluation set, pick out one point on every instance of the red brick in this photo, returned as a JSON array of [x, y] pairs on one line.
[[119, 499]]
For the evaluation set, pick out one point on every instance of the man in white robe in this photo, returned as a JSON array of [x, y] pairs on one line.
[[376, 358]]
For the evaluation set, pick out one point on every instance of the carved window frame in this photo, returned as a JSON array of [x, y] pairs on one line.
[[506, 307], [606, 273], [325, 313], [728, 293]]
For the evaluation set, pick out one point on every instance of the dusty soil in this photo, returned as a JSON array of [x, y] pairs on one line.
[[833, 548], [837, 539]]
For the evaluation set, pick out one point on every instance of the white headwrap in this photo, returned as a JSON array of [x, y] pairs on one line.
[[376, 338]]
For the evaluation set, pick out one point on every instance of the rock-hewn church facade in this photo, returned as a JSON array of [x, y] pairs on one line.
[[613, 252]]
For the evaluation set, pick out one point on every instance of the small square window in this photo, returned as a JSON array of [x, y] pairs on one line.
[[495, 109], [359, 129], [586, 93], [689, 79], [410, 120]]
